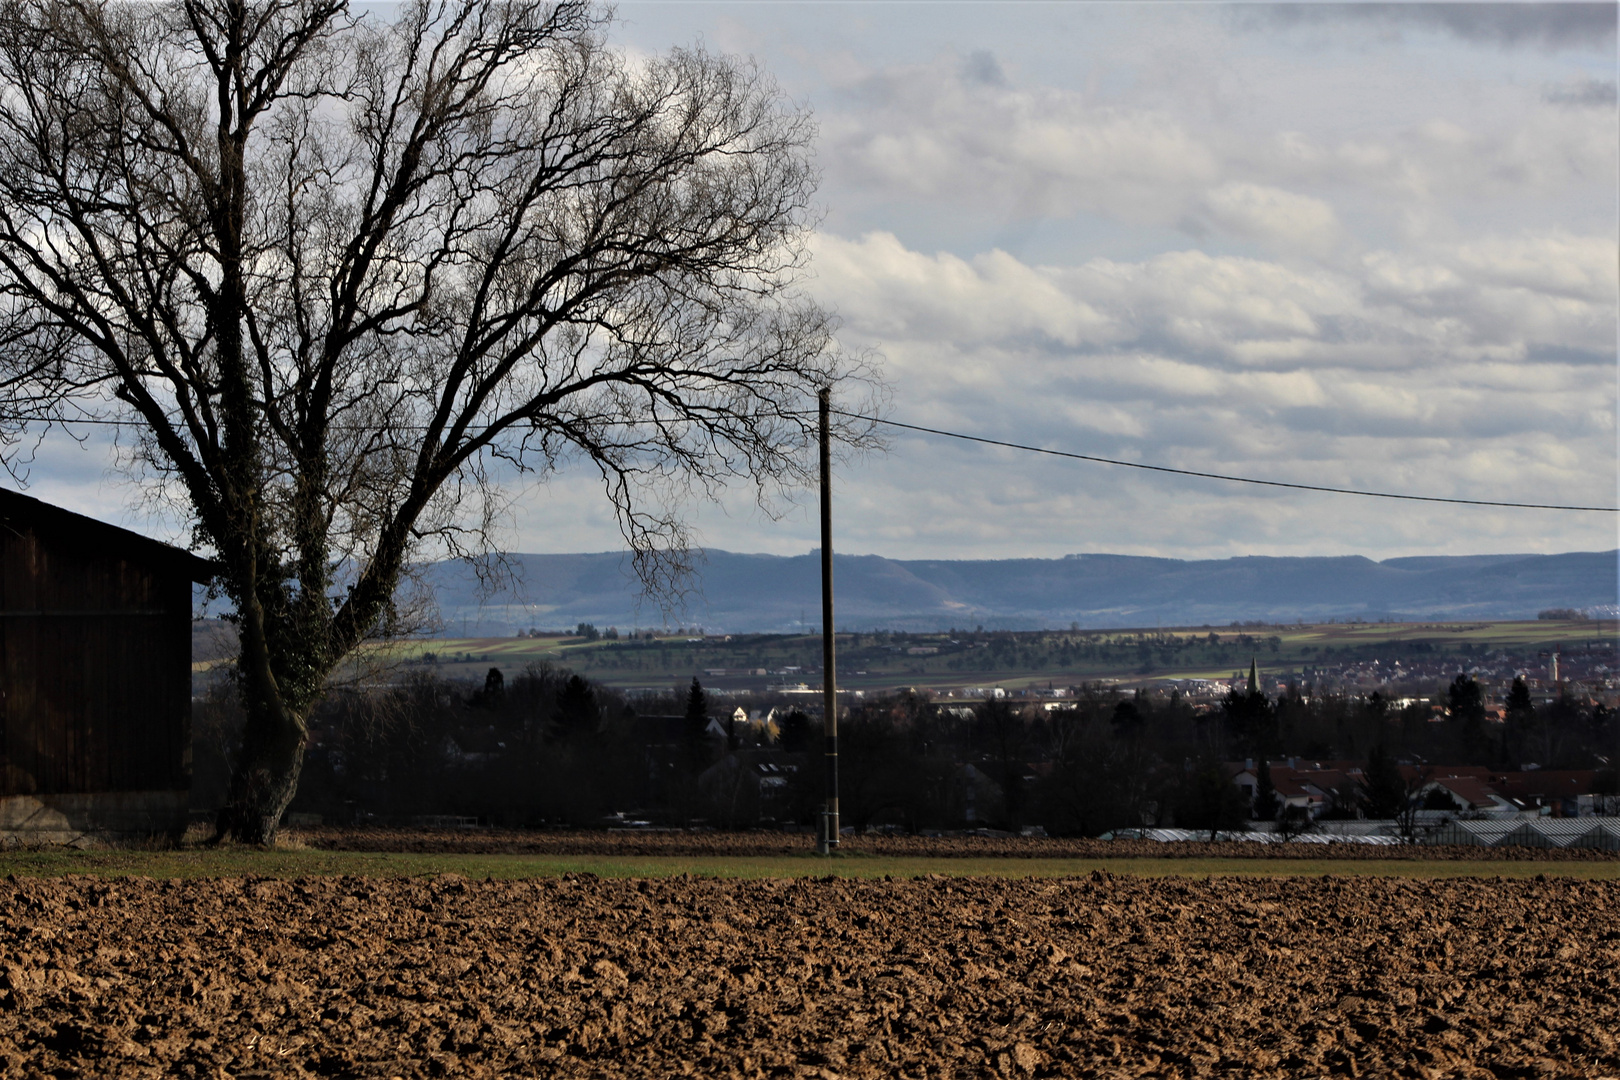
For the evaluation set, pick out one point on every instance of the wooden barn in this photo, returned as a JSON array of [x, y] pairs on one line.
[[95, 677]]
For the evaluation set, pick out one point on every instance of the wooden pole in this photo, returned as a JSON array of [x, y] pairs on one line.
[[828, 839]]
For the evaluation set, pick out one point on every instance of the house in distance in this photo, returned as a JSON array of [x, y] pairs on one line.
[[95, 677]]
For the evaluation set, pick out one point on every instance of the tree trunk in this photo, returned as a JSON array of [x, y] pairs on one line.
[[266, 775], [273, 739]]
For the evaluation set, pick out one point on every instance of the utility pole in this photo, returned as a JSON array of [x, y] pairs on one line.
[[827, 839]]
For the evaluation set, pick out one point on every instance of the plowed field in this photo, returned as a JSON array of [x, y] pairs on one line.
[[1100, 976]]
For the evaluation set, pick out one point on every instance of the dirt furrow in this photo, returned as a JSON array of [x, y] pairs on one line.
[[1101, 976]]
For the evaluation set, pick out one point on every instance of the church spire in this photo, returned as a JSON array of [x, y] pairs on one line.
[[1254, 677]]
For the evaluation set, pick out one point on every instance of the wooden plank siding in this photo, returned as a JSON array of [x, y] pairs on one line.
[[95, 655]]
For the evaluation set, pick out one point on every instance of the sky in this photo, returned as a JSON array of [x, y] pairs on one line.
[[1371, 246]]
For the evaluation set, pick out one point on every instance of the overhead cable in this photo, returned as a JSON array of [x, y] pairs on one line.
[[1108, 461], [1223, 476]]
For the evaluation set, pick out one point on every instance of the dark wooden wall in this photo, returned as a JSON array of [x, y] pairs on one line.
[[95, 666]]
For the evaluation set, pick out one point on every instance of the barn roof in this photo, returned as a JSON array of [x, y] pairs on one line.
[[20, 513]]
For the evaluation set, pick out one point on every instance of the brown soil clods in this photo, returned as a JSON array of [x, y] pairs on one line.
[[1101, 976]]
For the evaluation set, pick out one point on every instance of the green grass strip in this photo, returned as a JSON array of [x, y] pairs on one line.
[[310, 863]]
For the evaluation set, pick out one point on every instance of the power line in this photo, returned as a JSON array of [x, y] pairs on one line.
[[1223, 476], [1100, 461]]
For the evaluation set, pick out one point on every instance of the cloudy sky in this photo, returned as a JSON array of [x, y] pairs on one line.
[[1369, 246]]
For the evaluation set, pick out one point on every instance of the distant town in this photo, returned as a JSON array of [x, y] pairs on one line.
[[1403, 660], [1349, 732]]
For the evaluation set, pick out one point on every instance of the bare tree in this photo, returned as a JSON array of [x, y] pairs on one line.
[[345, 275], [1407, 815], [1294, 822]]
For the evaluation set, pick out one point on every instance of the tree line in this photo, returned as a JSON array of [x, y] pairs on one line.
[[550, 747]]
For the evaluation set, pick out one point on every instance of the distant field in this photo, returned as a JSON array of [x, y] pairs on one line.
[[1013, 661]]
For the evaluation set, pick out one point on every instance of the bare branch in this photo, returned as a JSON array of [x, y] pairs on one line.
[[342, 269]]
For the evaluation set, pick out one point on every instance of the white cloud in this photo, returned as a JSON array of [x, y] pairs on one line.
[[1513, 294], [1369, 258], [1493, 298], [927, 131], [1206, 302], [1278, 217], [1318, 155], [1581, 268], [1424, 372], [890, 290]]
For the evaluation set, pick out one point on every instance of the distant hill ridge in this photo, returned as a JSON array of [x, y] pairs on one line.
[[759, 593]]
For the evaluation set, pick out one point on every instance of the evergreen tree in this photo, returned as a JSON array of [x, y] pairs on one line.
[[1466, 702], [494, 689], [1521, 722], [796, 733], [1520, 709], [1127, 719], [1266, 802], [696, 724], [577, 711], [1384, 786], [1251, 722]]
